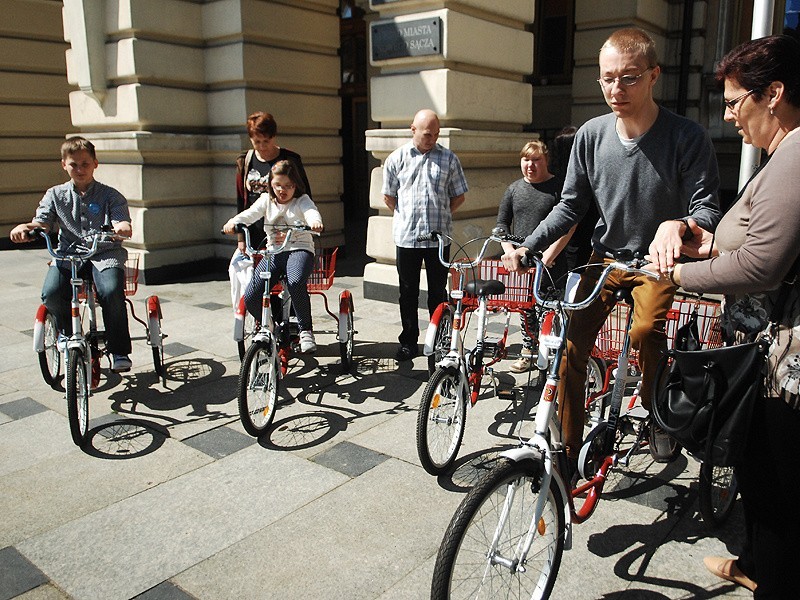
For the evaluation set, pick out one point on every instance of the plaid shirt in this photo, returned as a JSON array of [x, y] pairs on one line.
[[423, 185], [78, 216]]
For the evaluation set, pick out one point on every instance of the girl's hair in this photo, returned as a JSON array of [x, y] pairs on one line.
[[755, 64], [263, 123], [533, 147], [288, 168], [633, 41], [76, 144]]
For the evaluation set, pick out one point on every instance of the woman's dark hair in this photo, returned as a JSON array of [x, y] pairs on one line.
[[263, 123], [754, 65], [288, 168], [559, 151]]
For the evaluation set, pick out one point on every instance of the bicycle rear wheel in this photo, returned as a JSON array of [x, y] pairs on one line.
[[258, 387], [465, 565], [441, 419], [77, 396], [717, 489], [49, 357]]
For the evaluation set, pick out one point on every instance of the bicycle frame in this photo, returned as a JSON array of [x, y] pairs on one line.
[[546, 446]]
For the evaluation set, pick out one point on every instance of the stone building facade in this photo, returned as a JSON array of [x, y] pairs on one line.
[[163, 88]]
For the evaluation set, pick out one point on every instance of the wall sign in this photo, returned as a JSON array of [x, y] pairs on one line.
[[421, 37]]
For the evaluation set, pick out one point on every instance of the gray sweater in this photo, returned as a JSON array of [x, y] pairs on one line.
[[669, 172]]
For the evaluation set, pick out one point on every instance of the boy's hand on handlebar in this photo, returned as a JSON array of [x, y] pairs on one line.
[[316, 227], [513, 260], [21, 233], [229, 228], [123, 229]]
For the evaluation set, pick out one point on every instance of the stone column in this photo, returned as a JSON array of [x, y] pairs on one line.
[[167, 101], [468, 63]]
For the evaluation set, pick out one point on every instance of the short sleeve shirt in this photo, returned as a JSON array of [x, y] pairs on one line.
[[78, 216], [423, 185]]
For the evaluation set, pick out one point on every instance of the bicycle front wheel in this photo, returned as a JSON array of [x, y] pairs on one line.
[[77, 396], [441, 340], [501, 506], [50, 357], [717, 489], [258, 387], [441, 419], [346, 331]]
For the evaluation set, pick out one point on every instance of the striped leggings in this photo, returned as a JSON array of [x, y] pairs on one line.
[[292, 268]]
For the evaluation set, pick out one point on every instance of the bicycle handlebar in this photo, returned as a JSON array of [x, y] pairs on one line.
[[628, 265], [497, 235], [288, 229], [105, 234]]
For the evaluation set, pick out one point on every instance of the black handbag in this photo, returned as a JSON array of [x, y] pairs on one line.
[[705, 398]]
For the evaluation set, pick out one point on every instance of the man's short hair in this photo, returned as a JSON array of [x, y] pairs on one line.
[[633, 41]]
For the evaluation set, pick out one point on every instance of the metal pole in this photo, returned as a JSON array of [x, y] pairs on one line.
[[763, 11]]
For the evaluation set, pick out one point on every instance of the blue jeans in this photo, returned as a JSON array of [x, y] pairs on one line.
[[110, 286]]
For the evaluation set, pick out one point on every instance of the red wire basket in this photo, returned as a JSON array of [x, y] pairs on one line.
[[609, 340], [321, 277], [517, 296]]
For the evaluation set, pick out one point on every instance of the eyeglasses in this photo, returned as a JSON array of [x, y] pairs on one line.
[[623, 80], [287, 187], [731, 104]]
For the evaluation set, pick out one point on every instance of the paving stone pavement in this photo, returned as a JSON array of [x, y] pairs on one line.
[[173, 500]]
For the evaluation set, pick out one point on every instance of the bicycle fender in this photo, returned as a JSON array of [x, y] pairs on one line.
[[430, 334], [345, 304], [524, 453], [38, 328], [238, 321]]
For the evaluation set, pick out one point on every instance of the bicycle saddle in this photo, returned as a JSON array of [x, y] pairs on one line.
[[485, 287]]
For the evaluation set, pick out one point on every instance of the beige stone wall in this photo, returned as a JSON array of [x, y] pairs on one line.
[[34, 113], [167, 100], [476, 84]]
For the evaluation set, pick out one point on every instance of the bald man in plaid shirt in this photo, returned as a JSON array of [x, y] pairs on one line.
[[423, 183]]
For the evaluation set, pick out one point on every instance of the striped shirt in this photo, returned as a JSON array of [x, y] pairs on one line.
[[78, 216], [423, 185]]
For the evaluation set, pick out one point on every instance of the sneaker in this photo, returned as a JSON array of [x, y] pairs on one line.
[[406, 352], [307, 342], [120, 363], [524, 363]]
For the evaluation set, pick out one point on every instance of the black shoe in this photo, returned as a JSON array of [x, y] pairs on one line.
[[406, 352], [663, 448]]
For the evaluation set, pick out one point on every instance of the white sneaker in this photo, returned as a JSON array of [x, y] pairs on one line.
[[523, 363], [120, 363], [308, 344]]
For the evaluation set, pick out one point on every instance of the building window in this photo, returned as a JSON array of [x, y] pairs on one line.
[[553, 31]]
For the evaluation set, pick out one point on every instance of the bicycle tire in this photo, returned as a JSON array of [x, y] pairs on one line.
[[595, 377], [717, 489], [50, 357], [346, 345], [441, 419], [77, 393], [258, 387], [248, 328], [463, 568], [155, 336], [441, 341]]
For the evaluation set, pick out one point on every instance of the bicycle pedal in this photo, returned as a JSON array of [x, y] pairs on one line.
[[506, 394]]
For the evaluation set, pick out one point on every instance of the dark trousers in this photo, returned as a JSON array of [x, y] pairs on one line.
[[769, 485], [652, 300], [110, 286], [293, 269], [409, 268]]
